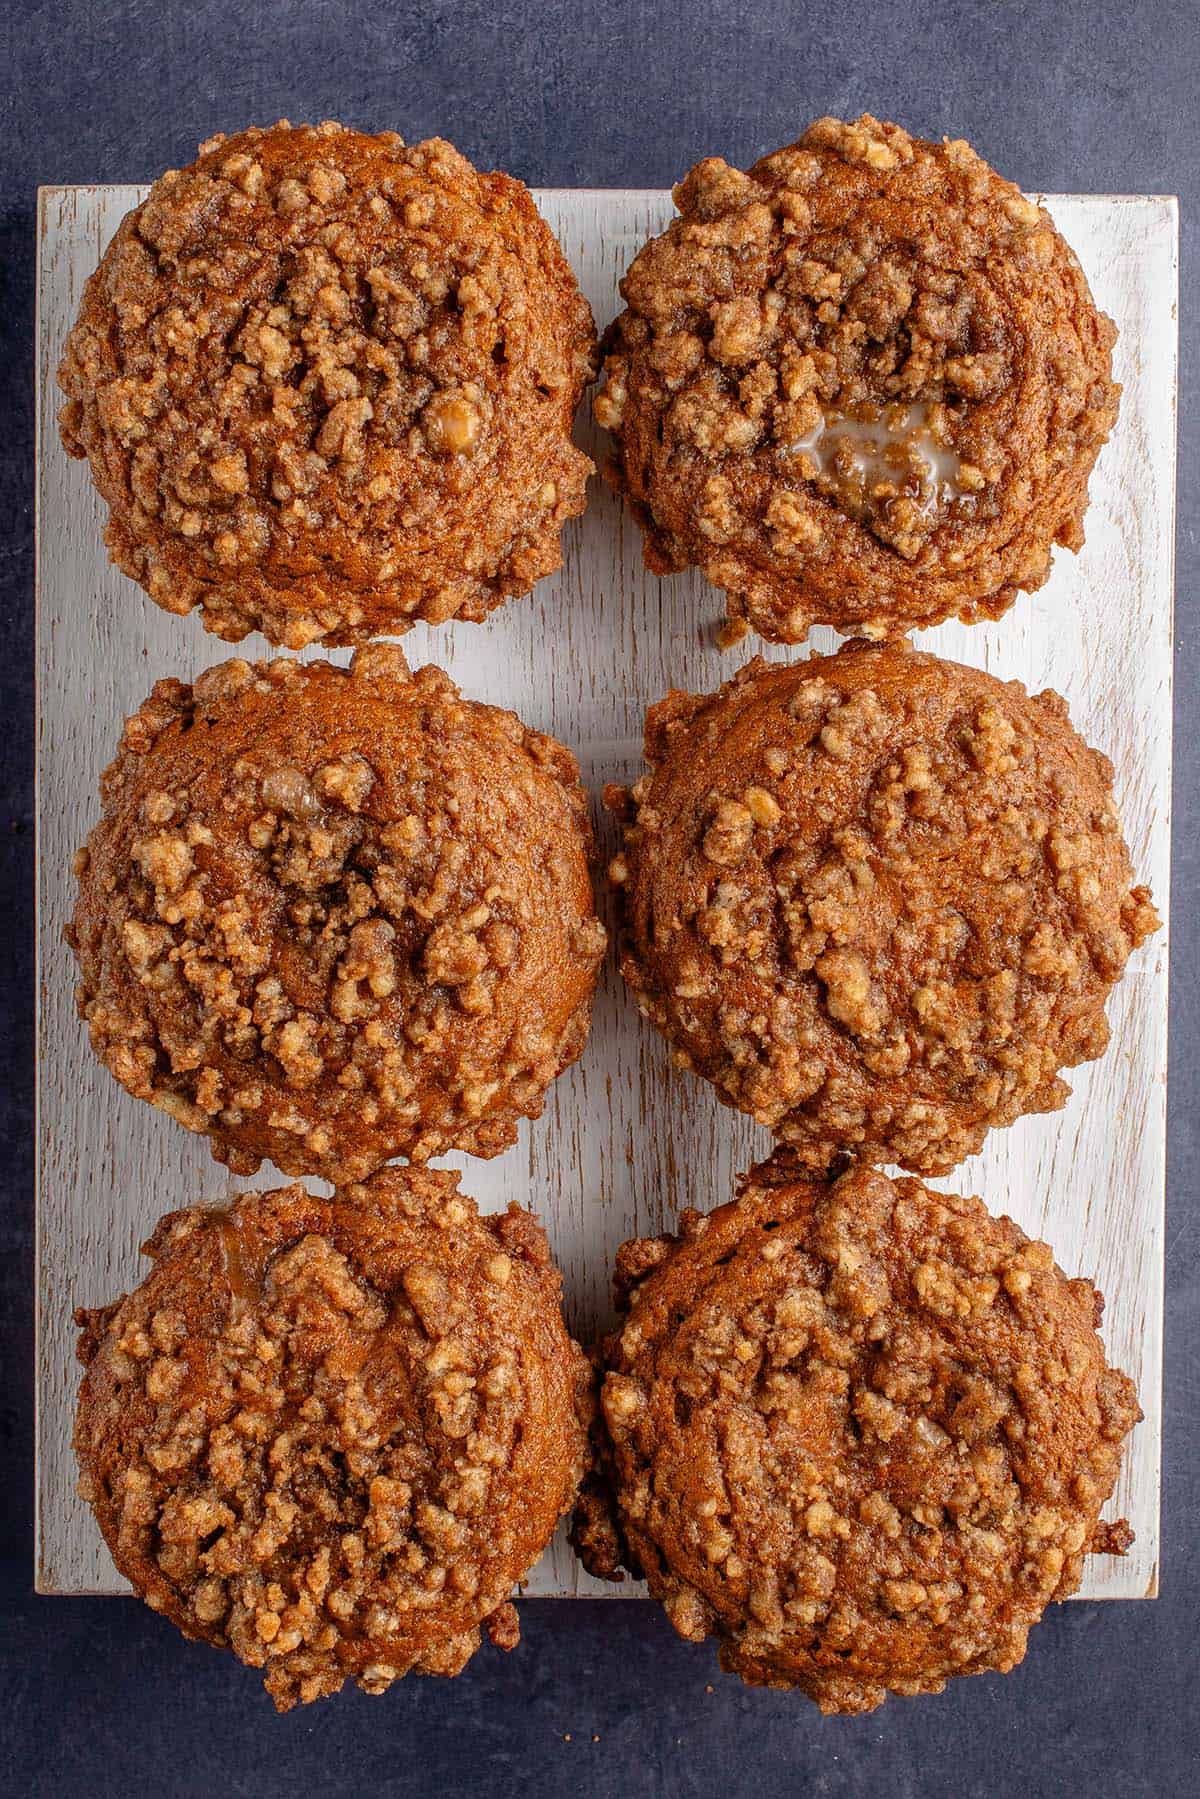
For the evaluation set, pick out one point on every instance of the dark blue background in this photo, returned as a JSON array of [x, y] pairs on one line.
[[99, 1696]]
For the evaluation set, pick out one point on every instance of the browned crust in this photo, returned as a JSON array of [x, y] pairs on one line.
[[859, 1430], [326, 384], [332, 916], [330, 1434], [857, 268], [879, 899]]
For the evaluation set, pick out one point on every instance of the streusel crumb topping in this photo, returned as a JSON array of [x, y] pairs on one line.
[[861, 1431], [326, 383], [879, 899], [862, 384], [331, 916], [330, 1435]]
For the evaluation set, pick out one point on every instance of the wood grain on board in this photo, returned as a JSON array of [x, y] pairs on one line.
[[626, 1139]]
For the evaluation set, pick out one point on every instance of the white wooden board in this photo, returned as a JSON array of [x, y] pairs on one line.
[[626, 1139]]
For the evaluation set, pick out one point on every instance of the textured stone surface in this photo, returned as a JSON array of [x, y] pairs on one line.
[[102, 1698]]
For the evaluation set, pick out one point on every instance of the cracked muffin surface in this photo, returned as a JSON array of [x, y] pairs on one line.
[[860, 1431], [878, 898], [330, 916], [862, 384], [331, 1434], [326, 381]]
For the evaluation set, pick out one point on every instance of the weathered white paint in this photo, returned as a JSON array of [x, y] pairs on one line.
[[626, 1139]]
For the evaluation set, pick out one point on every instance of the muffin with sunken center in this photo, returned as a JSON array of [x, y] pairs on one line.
[[880, 899], [331, 1434], [326, 381], [862, 384], [860, 1431], [331, 916]]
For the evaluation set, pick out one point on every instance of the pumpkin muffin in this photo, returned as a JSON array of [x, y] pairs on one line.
[[326, 381], [331, 1434], [331, 916], [860, 1431], [879, 899], [862, 384]]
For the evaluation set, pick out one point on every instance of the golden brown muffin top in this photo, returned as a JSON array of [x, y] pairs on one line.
[[330, 916], [862, 384], [330, 1434], [326, 382], [861, 1431], [878, 898]]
